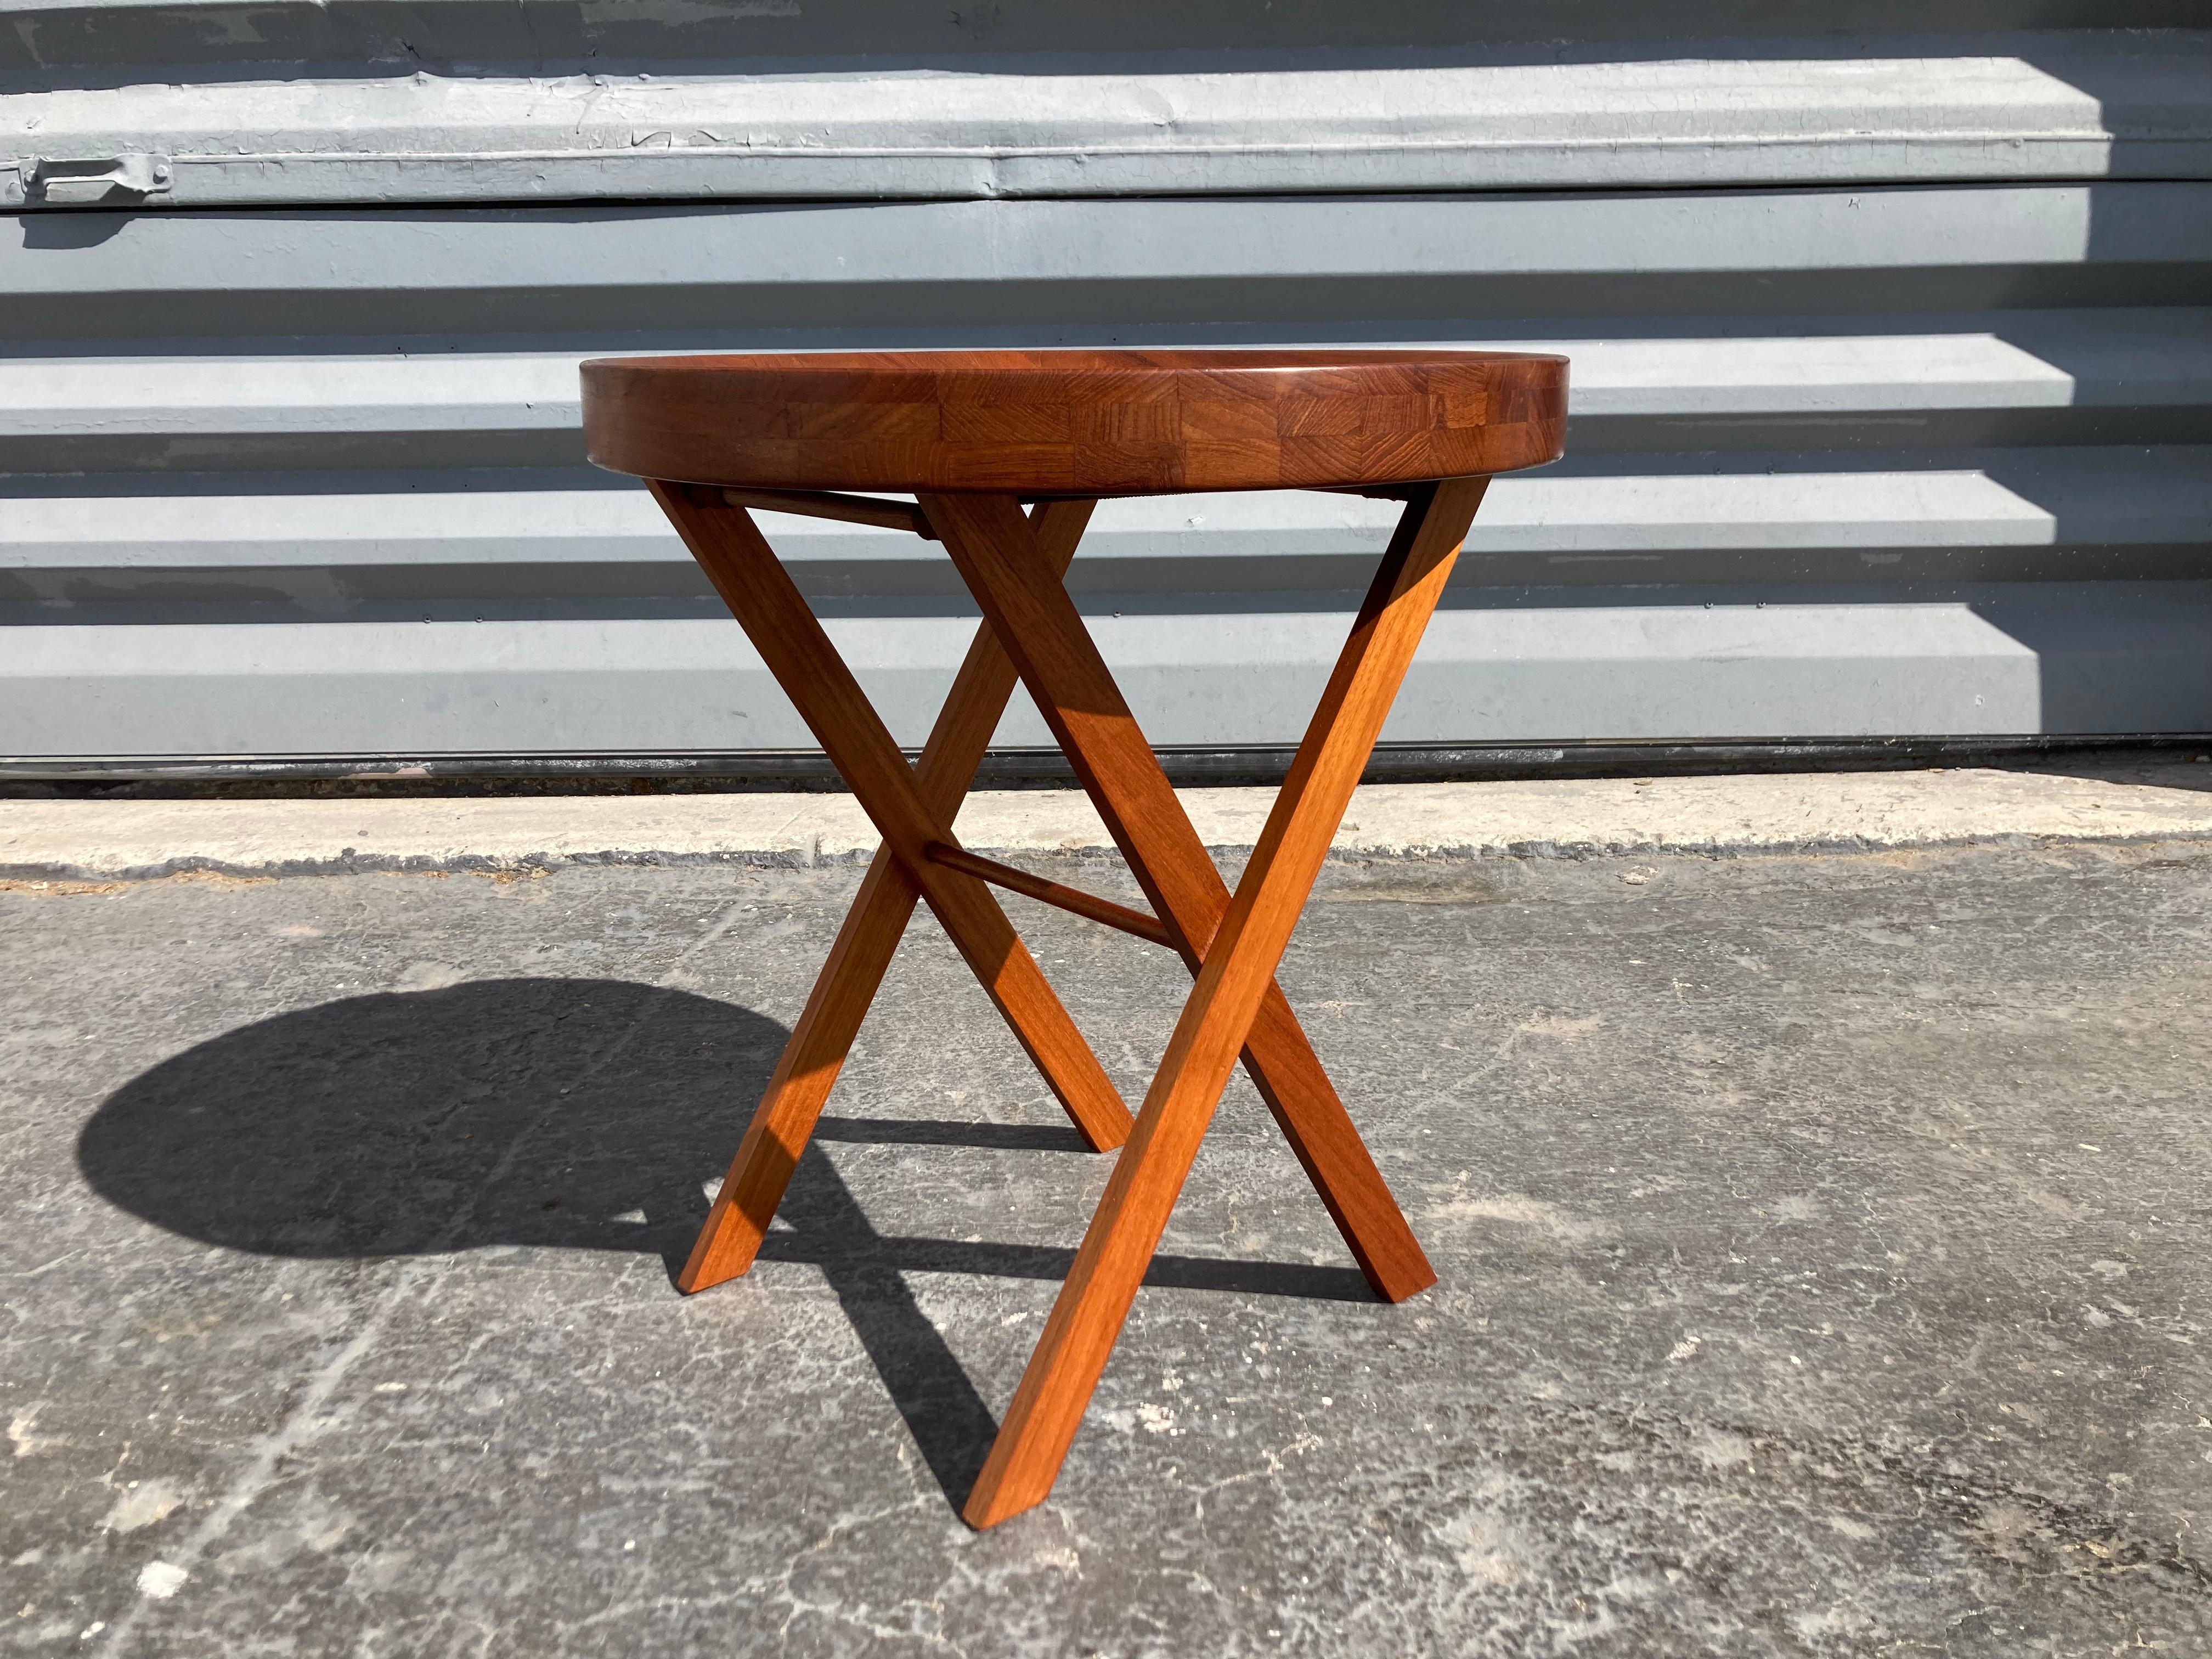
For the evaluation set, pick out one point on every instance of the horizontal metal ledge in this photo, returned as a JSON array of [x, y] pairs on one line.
[[2022, 499], [1813, 370], [1073, 900], [2075, 658], [899, 252], [2051, 106]]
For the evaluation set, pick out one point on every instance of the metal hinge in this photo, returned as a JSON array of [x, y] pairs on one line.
[[76, 180]]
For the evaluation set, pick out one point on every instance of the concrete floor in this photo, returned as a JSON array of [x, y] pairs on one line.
[[1822, 1243]]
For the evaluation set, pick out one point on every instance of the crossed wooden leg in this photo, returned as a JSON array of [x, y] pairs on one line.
[[824, 1032], [1218, 1019], [1027, 605], [1231, 943]]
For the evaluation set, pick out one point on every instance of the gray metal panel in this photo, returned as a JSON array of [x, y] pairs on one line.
[[1848, 455]]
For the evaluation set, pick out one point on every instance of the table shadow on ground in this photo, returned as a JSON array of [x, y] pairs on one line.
[[583, 1114]]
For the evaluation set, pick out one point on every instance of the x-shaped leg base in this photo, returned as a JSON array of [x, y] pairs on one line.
[[1232, 943]]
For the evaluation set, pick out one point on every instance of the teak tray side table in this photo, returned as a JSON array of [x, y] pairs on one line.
[[975, 436]]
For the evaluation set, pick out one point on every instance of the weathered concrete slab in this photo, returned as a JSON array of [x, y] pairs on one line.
[[2120, 799], [1821, 1243]]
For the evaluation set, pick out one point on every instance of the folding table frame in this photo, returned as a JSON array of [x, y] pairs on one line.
[[1013, 563]]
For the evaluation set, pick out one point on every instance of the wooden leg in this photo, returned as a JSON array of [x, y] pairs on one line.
[[1216, 1023], [1027, 605], [824, 1032], [783, 628]]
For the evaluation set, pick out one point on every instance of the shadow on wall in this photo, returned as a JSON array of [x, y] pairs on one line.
[[578, 1114], [45, 230], [2155, 134], [2136, 659]]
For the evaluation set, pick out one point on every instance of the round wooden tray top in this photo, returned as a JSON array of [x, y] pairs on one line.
[[1075, 422]]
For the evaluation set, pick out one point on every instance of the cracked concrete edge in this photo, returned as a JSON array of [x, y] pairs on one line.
[[62, 874], [97, 841]]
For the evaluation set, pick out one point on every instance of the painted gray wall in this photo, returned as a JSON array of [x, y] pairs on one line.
[[1892, 340]]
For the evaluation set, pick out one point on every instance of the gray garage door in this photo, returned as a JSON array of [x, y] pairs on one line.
[[1891, 324]]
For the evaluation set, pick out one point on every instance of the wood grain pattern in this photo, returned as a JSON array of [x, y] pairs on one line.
[[1062, 1373], [1029, 607], [761, 594], [823, 1034], [1078, 422]]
